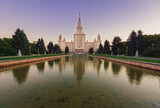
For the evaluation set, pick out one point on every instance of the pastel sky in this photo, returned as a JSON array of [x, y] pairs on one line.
[[49, 18]]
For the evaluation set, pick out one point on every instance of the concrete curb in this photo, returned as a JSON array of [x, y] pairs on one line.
[[147, 65], [24, 61]]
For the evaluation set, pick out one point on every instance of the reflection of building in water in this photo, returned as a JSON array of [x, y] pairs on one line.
[[62, 63], [20, 74], [79, 68]]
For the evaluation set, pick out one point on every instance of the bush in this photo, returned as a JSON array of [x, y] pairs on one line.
[[7, 51], [152, 52]]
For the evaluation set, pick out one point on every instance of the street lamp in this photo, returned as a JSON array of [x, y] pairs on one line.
[[153, 46], [30, 50], [38, 50], [126, 51], [118, 51]]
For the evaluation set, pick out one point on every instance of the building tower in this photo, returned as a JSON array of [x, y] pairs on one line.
[[79, 38]]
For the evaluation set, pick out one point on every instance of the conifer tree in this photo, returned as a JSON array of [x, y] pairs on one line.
[[106, 47], [50, 47], [100, 49], [66, 50], [20, 41], [116, 44], [133, 43], [141, 42]]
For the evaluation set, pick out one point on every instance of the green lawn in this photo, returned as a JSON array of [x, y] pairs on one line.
[[27, 57], [129, 58]]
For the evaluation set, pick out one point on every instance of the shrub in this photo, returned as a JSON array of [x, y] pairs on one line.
[[152, 52]]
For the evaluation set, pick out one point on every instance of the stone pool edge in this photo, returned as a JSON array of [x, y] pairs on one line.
[[30, 60], [147, 65]]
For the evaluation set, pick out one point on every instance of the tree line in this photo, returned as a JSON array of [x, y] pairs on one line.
[[146, 45], [19, 41]]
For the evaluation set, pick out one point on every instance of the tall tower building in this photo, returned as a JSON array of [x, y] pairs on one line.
[[79, 38], [79, 45]]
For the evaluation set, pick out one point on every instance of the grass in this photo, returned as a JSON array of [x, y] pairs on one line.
[[27, 57], [129, 58]]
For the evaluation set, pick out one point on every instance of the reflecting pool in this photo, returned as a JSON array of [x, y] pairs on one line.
[[79, 82]]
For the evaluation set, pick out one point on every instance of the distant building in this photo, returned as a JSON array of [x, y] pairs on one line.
[[35, 42], [80, 45]]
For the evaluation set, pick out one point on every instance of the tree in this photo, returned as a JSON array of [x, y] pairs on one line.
[[40, 46], [140, 42], [33, 48], [20, 41], [43, 46], [90, 51], [6, 48], [57, 49], [152, 45], [132, 43], [50, 47], [66, 50], [122, 48], [106, 47], [116, 44], [100, 49]]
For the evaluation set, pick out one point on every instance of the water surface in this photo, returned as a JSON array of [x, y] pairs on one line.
[[79, 82]]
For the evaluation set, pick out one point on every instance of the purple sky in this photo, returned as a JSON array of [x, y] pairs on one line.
[[49, 18]]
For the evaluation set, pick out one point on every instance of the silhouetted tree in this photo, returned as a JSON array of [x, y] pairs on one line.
[[41, 46], [141, 42], [100, 49], [116, 44], [50, 47], [57, 49], [90, 51], [106, 47], [133, 43], [20, 41], [66, 50]]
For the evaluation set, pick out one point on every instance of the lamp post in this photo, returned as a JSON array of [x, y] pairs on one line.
[[126, 51], [38, 50], [118, 51], [153, 46], [30, 50]]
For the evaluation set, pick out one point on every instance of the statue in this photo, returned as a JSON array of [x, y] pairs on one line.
[[44, 52], [19, 53], [112, 53], [136, 55]]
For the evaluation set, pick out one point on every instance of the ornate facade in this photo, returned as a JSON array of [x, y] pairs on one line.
[[79, 45]]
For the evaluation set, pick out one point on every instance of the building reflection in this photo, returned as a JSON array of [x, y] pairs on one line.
[[20, 74], [116, 68], [40, 67], [134, 75], [79, 68]]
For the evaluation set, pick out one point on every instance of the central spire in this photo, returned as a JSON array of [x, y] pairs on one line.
[[79, 27], [79, 22], [79, 16]]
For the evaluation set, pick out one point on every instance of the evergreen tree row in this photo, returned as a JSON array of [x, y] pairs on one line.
[[146, 45]]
